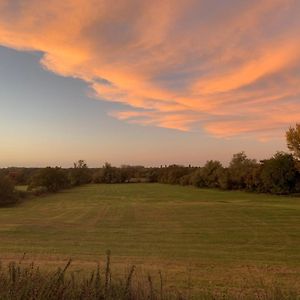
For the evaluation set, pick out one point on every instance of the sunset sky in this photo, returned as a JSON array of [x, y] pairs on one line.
[[146, 82]]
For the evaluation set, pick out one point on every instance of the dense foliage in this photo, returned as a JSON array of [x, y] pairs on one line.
[[278, 175], [52, 179], [7, 193], [79, 174], [293, 140]]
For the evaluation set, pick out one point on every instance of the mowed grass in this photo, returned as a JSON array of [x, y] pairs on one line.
[[157, 225]]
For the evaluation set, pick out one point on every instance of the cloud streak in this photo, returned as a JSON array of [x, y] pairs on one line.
[[230, 67]]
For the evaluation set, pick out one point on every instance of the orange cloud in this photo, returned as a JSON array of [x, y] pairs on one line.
[[228, 67]]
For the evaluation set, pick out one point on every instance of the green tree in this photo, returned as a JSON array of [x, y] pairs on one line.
[[173, 173], [211, 172], [240, 168], [293, 140], [196, 178], [80, 173], [7, 194], [279, 174], [53, 179], [224, 179], [107, 174]]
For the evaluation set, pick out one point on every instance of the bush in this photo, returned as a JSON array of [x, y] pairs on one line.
[[279, 175], [211, 173], [241, 171], [49, 179], [196, 178], [7, 192], [80, 174], [110, 174], [224, 179], [185, 180]]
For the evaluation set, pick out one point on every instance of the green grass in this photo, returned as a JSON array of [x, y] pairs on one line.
[[158, 226]]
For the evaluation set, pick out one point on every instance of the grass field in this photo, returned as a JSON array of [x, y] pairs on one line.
[[212, 234]]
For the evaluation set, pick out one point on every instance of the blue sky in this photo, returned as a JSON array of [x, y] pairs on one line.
[[47, 119]]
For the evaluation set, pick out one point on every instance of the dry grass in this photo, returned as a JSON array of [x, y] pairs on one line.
[[19, 280]]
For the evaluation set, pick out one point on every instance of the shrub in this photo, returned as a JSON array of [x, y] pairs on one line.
[[7, 193], [279, 174], [224, 179], [80, 174], [196, 178], [240, 171], [110, 174], [50, 179], [210, 173]]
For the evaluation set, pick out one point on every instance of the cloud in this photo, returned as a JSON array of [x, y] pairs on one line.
[[227, 67]]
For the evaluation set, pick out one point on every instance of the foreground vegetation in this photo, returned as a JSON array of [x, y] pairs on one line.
[[29, 282]]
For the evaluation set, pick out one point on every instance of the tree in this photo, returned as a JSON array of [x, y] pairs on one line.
[[107, 174], [173, 173], [293, 140], [224, 179], [240, 168], [53, 179], [7, 195], [279, 174], [196, 178], [80, 174], [211, 172]]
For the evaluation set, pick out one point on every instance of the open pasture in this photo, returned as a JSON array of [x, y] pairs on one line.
[[166, 227]]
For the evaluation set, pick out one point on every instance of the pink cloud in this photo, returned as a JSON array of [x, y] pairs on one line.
[[230, 67]]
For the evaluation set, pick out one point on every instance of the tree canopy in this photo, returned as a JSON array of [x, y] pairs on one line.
[[293, 140], [7, 194]]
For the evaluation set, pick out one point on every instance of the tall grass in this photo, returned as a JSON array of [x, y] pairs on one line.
[[28, 282]]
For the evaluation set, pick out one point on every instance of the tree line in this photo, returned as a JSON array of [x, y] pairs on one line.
[[279, 174]]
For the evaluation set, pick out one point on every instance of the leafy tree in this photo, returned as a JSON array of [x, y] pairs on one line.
[[224, 179], [239, 170], [152, 175], [186, 179], [279, 174], [293, 140], [7, 194], [196, 178], [80, 173], [253, 178], [53, 179], [210, 173], [107, 174], [172, 174]]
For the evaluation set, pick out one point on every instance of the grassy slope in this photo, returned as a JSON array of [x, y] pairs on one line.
[[157, 225]]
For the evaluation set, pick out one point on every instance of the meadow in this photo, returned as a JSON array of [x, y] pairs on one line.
[[195, 236]]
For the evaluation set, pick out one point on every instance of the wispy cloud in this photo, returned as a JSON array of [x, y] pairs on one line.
[[229, 67]]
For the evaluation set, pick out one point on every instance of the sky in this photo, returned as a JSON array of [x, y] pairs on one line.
[[146, 82]]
